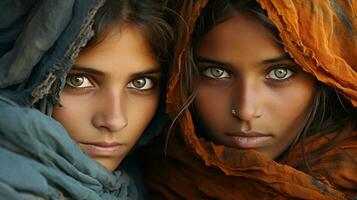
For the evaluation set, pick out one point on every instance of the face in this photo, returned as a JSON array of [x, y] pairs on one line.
[[111, 95], [251, 94]]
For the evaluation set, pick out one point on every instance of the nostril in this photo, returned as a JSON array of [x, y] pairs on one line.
[[112, 121], [115, 123]]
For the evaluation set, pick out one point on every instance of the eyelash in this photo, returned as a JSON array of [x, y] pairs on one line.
[[227, 73], [86, 77], [290, 73], [89, 79], [153, 84]]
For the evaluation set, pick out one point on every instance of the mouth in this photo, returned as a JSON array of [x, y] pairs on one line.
[[249, 140], [102, 149]]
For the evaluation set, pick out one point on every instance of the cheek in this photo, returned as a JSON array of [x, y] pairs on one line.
[[212, 106], [141, 111], [289, 107], [71, 115]]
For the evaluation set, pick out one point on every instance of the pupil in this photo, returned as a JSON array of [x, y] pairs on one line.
[[139, 83], [217, 72], [280, 73], [77, 80]]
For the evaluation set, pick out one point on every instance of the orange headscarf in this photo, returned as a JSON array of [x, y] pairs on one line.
[[322, 38]]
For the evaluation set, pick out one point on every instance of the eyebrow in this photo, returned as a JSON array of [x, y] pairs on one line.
[[283, 57], [210, 60], [147, 72], [89, 70], [277, 59]]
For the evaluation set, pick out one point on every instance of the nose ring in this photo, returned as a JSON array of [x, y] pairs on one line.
[[234, 112]]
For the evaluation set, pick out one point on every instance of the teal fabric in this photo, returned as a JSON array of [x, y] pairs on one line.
[[39, 158], [39, 42], [34, 40]]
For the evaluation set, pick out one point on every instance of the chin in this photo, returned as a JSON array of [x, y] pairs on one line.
[[110, 164]]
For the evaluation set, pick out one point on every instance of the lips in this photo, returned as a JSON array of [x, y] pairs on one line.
[[249, 140], [103, 149]]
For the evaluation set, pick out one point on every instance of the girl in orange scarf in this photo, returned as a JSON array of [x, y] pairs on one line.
[[266, 94]]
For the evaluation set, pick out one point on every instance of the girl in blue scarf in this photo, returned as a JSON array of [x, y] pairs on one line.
[[80, 83]]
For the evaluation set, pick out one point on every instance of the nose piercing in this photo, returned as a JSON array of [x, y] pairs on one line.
[[234, 112]]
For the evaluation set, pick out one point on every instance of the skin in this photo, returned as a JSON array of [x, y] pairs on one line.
[[243, 68], [111, 95]]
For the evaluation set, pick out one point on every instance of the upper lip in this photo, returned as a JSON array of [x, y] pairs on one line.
[[248, 134]]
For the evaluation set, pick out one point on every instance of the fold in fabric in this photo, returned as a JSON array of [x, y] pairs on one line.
[[39, 158], [41, 32], [227, 173], [321, 36]]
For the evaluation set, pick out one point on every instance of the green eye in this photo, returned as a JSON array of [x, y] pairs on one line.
[[78, 81], [141, 84], [280, 73], [215, 73]]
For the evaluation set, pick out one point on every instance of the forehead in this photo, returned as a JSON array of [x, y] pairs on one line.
[[124, 48], [239, 35]]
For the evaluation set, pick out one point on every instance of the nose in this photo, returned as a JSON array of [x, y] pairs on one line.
[[247, 100], [110, 113]]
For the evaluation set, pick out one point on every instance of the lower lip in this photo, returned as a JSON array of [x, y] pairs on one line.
[[95, 150], [250, 142]]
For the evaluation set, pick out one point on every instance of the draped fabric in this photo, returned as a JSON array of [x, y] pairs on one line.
[[227, 173], [38, 158], [39, 44], [321, 36]]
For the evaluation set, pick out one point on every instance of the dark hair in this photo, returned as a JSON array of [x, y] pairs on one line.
[[329, 112], [149, 16]]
